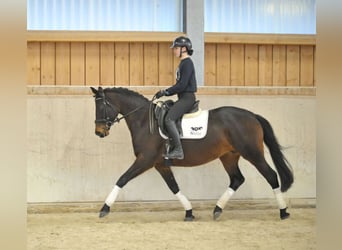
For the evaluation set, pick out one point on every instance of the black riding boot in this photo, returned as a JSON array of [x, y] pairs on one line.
[[177, 151]]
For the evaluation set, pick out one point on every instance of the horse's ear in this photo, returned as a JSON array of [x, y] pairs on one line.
[[100, 92], [93, 90]]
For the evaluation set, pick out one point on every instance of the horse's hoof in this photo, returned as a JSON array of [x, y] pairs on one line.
[[217, 215], [191, 218], [104, 210], [103, 214], [217, 212], [188, 215], [283, 214]]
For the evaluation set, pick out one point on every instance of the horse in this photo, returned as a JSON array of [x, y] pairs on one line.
[[232, 133]]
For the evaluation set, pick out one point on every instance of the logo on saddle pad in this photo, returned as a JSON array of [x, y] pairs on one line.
[[193, 125], [196, 128]]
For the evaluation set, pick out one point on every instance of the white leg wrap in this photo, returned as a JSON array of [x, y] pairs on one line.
[[112, 196], [280, 200], [185, 202], [225, 198]]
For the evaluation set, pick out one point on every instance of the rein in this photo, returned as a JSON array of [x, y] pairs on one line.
[[109, 122], [129, 113]]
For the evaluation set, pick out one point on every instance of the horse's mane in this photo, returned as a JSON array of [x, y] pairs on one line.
[[126, 92]]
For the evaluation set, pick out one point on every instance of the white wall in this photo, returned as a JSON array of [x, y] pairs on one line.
[[67, 162]]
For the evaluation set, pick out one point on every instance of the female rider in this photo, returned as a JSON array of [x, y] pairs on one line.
[[185, 88]]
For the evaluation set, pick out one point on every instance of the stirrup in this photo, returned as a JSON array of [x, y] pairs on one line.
[[175, 154]]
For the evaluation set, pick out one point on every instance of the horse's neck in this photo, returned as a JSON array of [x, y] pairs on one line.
[[123, 103], [133, 110], [137, 122]]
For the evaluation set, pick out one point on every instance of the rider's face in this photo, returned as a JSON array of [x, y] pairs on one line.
[[176, 51]]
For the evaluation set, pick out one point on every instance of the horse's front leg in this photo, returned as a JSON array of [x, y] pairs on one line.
[[140, 165], [170, 180]]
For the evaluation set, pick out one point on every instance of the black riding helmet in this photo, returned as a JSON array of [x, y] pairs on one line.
[[183, 41]]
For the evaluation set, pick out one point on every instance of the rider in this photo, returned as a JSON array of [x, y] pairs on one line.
[[185, 88]]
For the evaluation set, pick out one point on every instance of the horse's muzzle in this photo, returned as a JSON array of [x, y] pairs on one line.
[[101, 132]]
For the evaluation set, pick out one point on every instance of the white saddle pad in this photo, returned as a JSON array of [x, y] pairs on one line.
[[193, 127]]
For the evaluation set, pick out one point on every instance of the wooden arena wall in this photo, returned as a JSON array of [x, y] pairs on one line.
[[145, 59], [272, 75]]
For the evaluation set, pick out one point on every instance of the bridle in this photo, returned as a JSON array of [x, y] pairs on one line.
[[109, 121]]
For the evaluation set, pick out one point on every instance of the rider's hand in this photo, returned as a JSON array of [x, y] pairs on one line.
[[160, 93]]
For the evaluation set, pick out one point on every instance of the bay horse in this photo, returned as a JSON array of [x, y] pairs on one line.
[[232, 132]]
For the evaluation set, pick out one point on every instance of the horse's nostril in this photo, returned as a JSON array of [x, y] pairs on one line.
[[100, 134]]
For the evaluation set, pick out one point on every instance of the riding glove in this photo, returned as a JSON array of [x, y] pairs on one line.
[[161, 93]]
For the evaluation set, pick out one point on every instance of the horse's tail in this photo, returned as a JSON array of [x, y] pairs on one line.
[[282, 165]]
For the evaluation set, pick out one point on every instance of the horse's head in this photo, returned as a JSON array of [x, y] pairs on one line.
[[105, 113]]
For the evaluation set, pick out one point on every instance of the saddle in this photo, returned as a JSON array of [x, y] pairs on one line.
[[191, 121]]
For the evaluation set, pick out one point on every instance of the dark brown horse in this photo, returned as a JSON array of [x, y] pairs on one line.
[[232, 132]]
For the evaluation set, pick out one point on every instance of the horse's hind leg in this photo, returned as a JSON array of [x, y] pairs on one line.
[[271, 177], [230, 163], [170, 180]]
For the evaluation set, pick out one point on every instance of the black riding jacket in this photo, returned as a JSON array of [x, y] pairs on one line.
[[185, 79]]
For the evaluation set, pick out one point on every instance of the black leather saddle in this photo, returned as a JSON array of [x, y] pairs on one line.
[[161, 110]]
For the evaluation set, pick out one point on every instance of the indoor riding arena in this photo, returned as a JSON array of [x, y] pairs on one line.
[[71, 171]]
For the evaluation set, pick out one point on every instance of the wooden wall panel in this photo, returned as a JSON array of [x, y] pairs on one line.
[[121, 64], [210, 64], [136, 64], [265, 65], [223, 65], [63, 63], [107, 63], [292, 65], [279, 65], [33, 63], [129, 62], [151, 64], [165, 64], [77, 63], [306, 65], [48, 63], [237, 65], [251, 64], [92, 63]]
